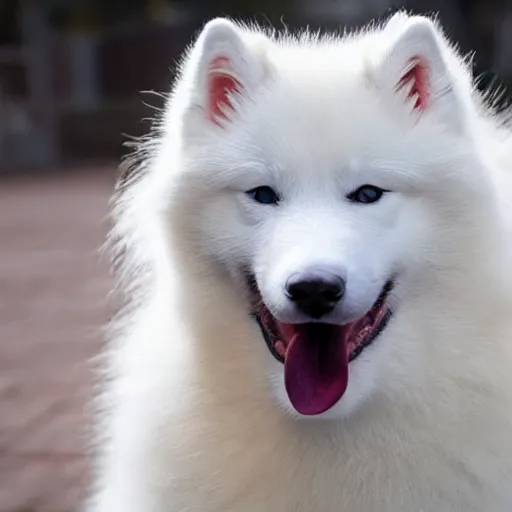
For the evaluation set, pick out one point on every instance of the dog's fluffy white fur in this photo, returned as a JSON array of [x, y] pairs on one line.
[[194, 417]]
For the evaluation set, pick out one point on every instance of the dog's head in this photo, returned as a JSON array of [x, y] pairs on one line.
[[326, 180]]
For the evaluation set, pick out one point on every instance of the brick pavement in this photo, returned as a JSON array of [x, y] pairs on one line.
[[53, 304]]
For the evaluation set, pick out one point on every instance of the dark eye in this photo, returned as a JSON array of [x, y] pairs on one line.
[[366, 194], [263, 195]]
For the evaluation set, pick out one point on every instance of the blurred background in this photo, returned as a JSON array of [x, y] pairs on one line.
[[72, 74]]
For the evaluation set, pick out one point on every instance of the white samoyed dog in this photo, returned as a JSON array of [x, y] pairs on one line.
[[316, 244]]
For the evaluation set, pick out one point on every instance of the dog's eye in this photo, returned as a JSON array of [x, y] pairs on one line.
[[263, 195], [366, 194]]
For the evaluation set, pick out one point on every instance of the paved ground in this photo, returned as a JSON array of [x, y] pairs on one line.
[[53, 289]]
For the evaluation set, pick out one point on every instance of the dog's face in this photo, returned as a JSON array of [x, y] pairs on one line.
[[322, 198]]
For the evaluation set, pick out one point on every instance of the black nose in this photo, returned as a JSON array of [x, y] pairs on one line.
[[315, 293]]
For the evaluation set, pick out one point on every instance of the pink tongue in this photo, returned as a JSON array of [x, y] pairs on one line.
[[315, 370]]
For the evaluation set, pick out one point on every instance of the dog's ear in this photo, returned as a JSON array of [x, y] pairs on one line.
[[227, 69], [415, 69]]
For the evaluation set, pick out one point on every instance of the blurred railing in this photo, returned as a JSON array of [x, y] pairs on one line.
[[81, 91]]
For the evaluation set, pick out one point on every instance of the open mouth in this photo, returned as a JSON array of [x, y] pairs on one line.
[[316, 355]]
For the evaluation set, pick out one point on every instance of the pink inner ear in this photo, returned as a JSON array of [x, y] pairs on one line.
[[220, 84], [417, 78]]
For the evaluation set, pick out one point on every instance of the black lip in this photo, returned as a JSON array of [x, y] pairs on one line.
[[372, 337], [270, 341]]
